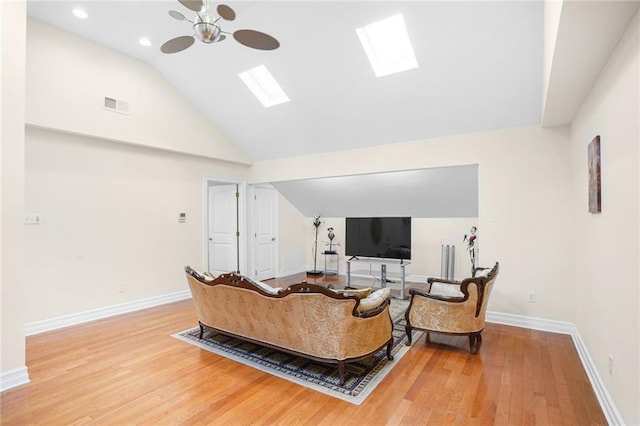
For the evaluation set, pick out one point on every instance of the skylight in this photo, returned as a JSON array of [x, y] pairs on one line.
[[388, 46], [260, 81]]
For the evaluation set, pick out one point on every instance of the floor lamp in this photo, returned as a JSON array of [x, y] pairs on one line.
[[316, 224]]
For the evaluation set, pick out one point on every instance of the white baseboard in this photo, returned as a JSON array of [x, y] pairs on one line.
[[12, 378], [532, 323], [295, 271], [604, 398], [108, 311], [422, 279], [606, 402]]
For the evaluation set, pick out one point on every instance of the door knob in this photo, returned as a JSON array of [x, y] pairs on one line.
[[273, 238], [210, 239]]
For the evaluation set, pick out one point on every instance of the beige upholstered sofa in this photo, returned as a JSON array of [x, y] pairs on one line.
[[304, 319], [452, 307]]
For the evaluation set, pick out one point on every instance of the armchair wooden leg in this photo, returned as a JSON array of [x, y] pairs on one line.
[[408, 329], [389, 347], [474, 342], [427, 338], [341, 371], [201, 329]]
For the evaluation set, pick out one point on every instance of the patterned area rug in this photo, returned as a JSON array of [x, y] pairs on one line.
[[361, 378]]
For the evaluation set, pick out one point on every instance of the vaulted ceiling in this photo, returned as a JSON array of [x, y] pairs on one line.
[[480, 68]]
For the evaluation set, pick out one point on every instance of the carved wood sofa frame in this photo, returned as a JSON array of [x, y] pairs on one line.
[[377, 322], [466, 316]]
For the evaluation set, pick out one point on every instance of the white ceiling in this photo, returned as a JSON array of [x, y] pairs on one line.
[[479, 68]]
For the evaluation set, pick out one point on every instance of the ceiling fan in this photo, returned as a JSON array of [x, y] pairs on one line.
[[207, 30]]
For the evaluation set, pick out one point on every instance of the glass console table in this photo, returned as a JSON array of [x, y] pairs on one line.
[[383, 271]]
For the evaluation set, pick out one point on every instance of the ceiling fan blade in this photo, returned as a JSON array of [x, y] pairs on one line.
[[177, 15], [177, 44], [226, 12], [195, 5], [256, 39]]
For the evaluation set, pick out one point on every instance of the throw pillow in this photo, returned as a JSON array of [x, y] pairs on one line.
[[203, 276], [483, 272], [374, 300], [360, 292], [446, 290], [267, 288]]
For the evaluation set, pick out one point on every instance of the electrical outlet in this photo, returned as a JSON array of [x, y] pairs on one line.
[[532, 297], [610, 365]]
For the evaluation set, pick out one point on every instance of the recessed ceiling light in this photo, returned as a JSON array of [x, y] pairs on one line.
[[145, 42], [80, 13], [260, 81], [388, 46]]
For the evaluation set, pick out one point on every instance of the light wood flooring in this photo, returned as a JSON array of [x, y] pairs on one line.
[[128, 370]]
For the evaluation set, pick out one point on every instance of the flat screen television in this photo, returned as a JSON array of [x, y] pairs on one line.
[[383, 237]]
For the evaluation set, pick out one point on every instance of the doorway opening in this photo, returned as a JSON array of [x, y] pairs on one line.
[[224, 224]]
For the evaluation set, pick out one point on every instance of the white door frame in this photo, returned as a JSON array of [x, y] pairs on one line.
[[242, 221], [250, 242]]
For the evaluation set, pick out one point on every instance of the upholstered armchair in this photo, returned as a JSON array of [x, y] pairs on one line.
[[452, 307]]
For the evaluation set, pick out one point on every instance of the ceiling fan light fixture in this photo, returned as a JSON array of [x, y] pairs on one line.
[[206, 31]]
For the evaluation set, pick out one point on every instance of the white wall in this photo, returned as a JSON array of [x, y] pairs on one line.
[[12, 277], [110, 186], [607, 248], [79, 74], [524, 183], [292, 243], [110, 232]]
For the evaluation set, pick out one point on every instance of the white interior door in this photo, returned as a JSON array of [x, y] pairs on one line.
[[264, 232], [223, 218]]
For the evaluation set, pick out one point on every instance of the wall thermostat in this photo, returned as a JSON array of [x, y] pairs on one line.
[[182, 217]]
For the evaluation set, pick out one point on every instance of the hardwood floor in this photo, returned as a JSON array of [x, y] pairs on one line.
[[128, 370]]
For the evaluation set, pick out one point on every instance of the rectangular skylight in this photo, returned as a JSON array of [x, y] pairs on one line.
[[260, 81], [388, 46]]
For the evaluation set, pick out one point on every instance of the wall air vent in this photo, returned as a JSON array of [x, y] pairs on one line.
[[116, 105]]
